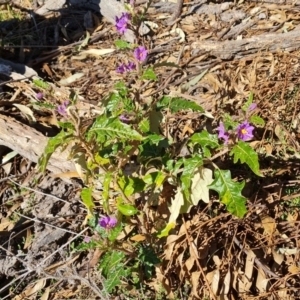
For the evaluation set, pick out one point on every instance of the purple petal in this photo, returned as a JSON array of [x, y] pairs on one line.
[[62, 109], [39, 96], [252, 106], [130, 66], [121, 69], [87, 239], [124, 119], [222, 133], [108, 222]]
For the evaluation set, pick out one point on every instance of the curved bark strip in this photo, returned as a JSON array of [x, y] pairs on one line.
[[30, 143]]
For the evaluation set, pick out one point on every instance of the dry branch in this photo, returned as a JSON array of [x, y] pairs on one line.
[[272, 42], [30, 143]]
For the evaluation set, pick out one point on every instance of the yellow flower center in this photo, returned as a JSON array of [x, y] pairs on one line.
[[244, 131]]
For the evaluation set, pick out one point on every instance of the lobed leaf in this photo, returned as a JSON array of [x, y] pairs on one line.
[[206, 140], [229, 192], [256, 120], [53, 143], [110, 129], [149, 74], [178, 104], [87, 199], [121, 44], [243, 152], [113, 269]]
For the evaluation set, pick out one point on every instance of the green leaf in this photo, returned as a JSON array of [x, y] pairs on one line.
[[109, 129], [113, 233], [53, 143], [121, 44], [155, 139], [144, 125], [230, 192], [40, 83], [165, 231], [178, 104], [248, 103], [150, 150], [256, 120], [243, 152], [228, 122], [127, 209], [155, 177], [87, 199], [149, 74], [113, 269], [191, 166], [174, 168], [66, 125], [131, 185], [206, 141]]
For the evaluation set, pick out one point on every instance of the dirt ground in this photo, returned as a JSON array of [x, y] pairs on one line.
[[244, 46]]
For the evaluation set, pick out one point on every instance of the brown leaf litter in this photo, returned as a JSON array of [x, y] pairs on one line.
[[250, 46]]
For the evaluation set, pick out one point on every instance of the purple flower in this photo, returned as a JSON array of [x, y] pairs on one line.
[[108, 222], [62, 109], [39, 96], [140, 53], [222, 133], [124, 119], [121, 23], [121, 69], [130, 66], [252, 106], [87, 239], [244, 131]]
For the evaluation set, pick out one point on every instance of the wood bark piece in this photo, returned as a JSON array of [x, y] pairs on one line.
[[272, 42], [30, 143]]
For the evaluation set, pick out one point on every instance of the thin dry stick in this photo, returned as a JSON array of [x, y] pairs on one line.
[[258, 262], [88, 283], [12, 282], [45, 223], [39, 192], [197, 261]]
